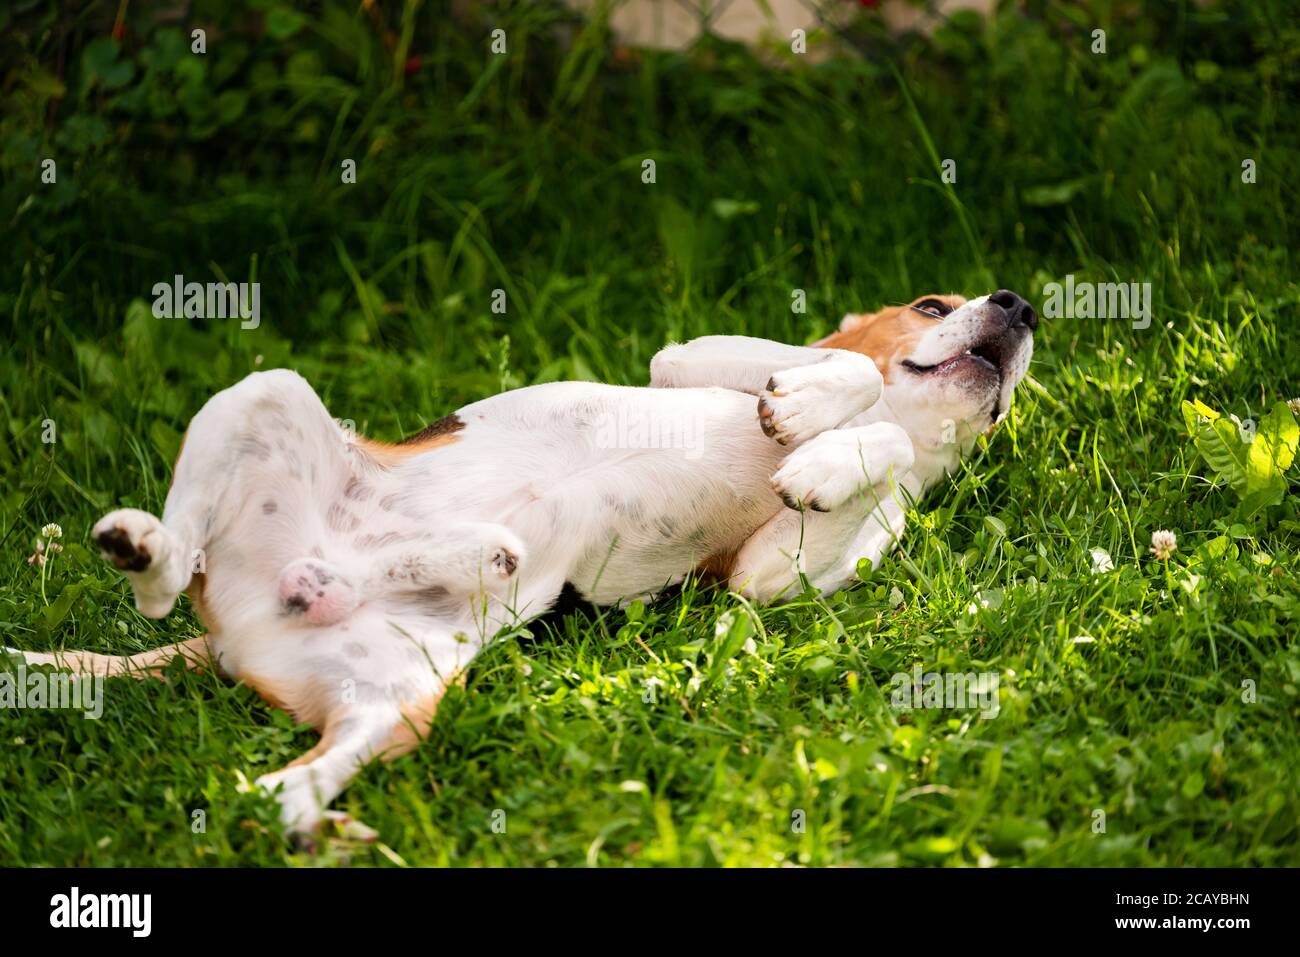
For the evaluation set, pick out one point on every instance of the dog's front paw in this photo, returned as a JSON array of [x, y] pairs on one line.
[[830, 469], [804, 402], [811, 478], [139, 545], [129, 538]]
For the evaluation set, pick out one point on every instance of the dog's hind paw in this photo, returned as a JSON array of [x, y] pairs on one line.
[[295, 790], [129, 538], [139, 545], [505, 560]]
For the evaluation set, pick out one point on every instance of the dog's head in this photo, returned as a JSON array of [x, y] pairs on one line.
[[949, 364]]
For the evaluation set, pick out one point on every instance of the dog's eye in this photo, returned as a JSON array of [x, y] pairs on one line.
[[933, 306]]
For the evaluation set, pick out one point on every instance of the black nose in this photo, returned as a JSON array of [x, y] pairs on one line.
[[1019, 312]]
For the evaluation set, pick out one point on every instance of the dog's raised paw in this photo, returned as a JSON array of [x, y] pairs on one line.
[[805, 401], [504, 561], [502, 552], [152, 557], [820, 475], [123, 538], [796, 405]]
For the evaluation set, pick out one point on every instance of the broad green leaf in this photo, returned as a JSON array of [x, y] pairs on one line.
[[56, 611], [995, 527], [282, 23], [1194, 409], [1220, 443], [1193, 785], [99, 64], [819, 665], [1262, 498], [1273, 450]]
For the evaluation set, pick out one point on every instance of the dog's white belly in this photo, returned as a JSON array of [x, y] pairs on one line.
[[619, 491]]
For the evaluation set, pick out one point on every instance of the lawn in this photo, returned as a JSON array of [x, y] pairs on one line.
[[1149, 708]]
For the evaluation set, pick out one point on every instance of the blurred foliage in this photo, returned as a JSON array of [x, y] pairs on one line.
[[174, 161]]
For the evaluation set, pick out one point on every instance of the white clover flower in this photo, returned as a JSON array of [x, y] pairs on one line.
[[1163, 544], [1293, 405], [52, 531]]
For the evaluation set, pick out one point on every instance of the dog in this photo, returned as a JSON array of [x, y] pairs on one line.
[[349, 581]]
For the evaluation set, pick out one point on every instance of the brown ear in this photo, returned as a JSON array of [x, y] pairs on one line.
[[878, 332], [851, 327]]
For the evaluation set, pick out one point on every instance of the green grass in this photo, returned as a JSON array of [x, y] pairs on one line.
[[525, 174]]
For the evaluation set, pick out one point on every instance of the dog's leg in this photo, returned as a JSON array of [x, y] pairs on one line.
[[464, 557], [832, 467], [869, 542], [803, 391], [148, 664], [740, 363], [821, 548], [154, 559], [804, 402], [351, 738], [462, 560], [269, 423], [852, 485], [374, 692]]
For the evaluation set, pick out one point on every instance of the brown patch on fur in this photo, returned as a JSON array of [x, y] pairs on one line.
[[436, 434], [447, 425], [888, 335], [306, 700], [717, 569], [201, 608], [324, 744], [416, 720]]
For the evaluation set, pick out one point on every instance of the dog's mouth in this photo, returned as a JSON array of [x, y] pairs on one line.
[[985, 356]]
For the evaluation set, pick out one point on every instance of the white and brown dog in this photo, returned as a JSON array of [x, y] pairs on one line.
[[349, 581]]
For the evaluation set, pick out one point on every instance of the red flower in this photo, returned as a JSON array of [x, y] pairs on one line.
[[412, 65]]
